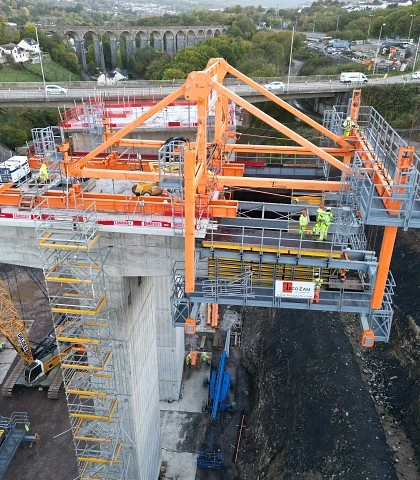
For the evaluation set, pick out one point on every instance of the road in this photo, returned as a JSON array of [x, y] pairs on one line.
[[296, 86]]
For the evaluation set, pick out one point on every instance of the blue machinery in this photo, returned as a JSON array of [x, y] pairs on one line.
[[220, 383]]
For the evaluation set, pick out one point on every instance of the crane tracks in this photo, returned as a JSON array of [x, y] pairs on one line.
[[12, 378], [55, 387]]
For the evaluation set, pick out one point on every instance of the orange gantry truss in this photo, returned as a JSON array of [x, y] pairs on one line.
[[206, 169]]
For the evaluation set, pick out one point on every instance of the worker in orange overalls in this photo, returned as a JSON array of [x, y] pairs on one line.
[[343, 273], [317, 289]]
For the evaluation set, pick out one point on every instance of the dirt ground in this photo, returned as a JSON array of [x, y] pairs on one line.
[[53, 457]]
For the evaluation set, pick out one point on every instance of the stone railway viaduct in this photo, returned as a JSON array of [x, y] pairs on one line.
[[163, 39]]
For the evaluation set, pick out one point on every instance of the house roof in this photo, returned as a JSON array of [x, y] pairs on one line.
[[8, 46], [30, 41]]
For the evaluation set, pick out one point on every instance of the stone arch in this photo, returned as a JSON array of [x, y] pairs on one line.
[[126, 47], [191, 38], [201, 36], [209, 34], [142, 39], [169, 45], [110, 49], [156, 40], [217, 32], [180, 40], [92, 37]]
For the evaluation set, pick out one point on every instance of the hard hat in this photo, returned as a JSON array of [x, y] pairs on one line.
[[328, 209], [316, 274], [348, 118]]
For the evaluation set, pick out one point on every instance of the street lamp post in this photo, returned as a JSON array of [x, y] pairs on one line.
[[417, 52], [290, 59], [377, 50], [370, 21], [338, 20], [40, 59], [411, 26]]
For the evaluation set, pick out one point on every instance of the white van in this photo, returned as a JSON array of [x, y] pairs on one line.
[[15, 169], [353, 77]]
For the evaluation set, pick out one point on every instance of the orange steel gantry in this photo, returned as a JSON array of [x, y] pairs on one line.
[[206, 168]]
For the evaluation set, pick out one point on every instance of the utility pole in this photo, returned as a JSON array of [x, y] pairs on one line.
[[377, 50], [411, 26], [290, 59], [417, 52], [40, 58], [370, 21]]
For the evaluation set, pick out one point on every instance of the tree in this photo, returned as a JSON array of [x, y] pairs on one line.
[[174, 73]]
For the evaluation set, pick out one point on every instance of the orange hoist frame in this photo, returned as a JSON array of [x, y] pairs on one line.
[[355, 104], [368, 339]]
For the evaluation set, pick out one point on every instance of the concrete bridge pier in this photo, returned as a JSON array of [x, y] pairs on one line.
[[114, 53], [131, 47], [180, 42], [170, 45], [158, 44], [99, 55], [80, 52], [148, 359]]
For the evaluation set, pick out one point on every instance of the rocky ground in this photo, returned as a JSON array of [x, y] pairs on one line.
[[322, 406]]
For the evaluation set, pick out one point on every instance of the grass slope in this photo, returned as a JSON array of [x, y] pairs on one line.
[[32, 73]]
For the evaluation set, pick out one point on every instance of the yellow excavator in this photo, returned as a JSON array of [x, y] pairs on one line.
[[39, 364]]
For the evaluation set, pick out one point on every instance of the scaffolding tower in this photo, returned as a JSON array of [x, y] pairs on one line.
[[73, 270], [45, 143]]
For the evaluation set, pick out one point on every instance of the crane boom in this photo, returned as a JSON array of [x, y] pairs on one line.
[[13, 327]]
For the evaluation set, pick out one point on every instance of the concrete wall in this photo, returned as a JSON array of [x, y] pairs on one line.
[[135, 363], [128, 254], [170, 342]]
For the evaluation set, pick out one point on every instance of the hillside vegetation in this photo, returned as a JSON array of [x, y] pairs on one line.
[[27, 72]]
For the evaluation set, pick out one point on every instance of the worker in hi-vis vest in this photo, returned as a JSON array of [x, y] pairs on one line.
[[303, 222], [320, 213], [348, 125], [43, 173]]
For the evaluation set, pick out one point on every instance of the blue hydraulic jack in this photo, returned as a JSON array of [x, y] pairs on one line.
[[210, 459], [220, 383]]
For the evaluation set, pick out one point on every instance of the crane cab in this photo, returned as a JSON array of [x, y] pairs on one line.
[[34, 372]]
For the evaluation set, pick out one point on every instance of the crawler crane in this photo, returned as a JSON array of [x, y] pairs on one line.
[[41, 360]]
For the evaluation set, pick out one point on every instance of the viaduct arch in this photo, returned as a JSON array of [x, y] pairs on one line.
[[163, 39]]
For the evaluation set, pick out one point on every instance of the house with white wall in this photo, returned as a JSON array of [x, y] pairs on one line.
[[30, 45], [19, 55]]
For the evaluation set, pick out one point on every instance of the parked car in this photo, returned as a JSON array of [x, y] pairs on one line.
[[416, 75], [274, 86], [55, 90]]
